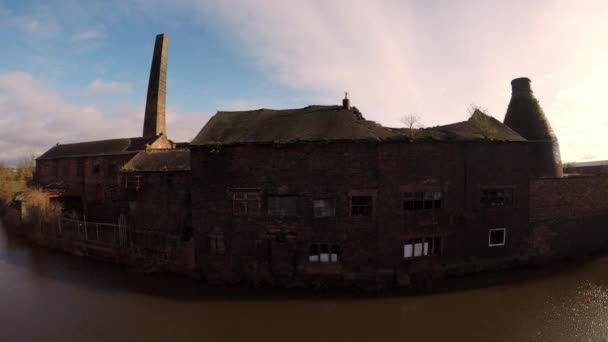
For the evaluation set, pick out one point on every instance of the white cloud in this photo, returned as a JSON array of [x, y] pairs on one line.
[[88, 35], [100, 85], [432, 58], [35, 118]]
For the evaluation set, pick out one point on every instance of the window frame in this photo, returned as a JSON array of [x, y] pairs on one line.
[[330, 256], [257, 198], [418, 200], [422, 247], [504, 237], [284, 212], [371, 205], [505, 204], [333, 207]]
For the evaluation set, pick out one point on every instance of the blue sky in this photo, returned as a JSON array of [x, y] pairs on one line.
[[72, 71]]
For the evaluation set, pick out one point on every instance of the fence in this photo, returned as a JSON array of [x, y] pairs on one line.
[[141, 240]]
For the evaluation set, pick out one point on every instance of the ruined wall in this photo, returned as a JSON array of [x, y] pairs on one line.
[[276, 248], [568, 216], [94, 179], [162, 202]]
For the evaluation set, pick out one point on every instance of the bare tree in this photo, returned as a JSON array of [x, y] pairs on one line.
[[412, 123]]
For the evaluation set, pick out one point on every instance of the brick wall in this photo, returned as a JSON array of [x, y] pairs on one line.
[[568, 216], [340, 170]]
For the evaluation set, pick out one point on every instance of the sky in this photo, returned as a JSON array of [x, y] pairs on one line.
[[75, 71]]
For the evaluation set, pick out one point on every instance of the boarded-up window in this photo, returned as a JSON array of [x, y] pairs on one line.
[[497, 197], [423, 246], [246, 203], [282, 206], [361, 205], [422, 200], [324, 207]]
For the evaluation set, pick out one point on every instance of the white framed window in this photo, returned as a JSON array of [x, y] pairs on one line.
[[497, 237], [324, 207]]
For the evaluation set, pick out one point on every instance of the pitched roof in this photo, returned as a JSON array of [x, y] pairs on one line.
[[98, 148], [471, 130], [312, 123], [159, 160], [326, 123]]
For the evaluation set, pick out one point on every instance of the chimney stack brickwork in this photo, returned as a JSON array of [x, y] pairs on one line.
[[154, 121]]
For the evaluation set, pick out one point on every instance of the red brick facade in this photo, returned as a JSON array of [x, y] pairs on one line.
[[264, 247]]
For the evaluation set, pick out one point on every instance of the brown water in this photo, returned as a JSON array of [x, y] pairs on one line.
[[49, 296]]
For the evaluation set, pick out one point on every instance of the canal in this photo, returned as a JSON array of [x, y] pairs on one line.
[[50, 296]]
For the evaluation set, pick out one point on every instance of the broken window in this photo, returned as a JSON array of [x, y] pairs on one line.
[[422, 200], [324, 207], [497, 237], [246, 203], [423, 246], [282, 206], [324, 253], [361, 205], [497, 197]]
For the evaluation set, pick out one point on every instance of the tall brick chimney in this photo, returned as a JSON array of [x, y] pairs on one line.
[[154, 121]]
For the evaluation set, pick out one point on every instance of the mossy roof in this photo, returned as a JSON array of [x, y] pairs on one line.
[[98, 148], [159, 161], [327, 123]]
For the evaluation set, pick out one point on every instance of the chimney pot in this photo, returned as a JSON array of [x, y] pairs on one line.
[[346, 102], [521, 86]]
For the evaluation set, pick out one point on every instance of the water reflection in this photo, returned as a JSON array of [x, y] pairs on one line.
[[51, 296]]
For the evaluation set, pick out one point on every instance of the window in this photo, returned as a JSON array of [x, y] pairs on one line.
[[112, 168], [324, 253], [497, 197], [80, 168], [361, 205], [282, 206], [216, 242], [422, 200], [113, 193], [324, 207], [246, 203], [96, 168], [422, 247], [497, 237]]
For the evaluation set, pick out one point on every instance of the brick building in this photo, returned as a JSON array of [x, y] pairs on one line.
[[85, 176], [321, 194]]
